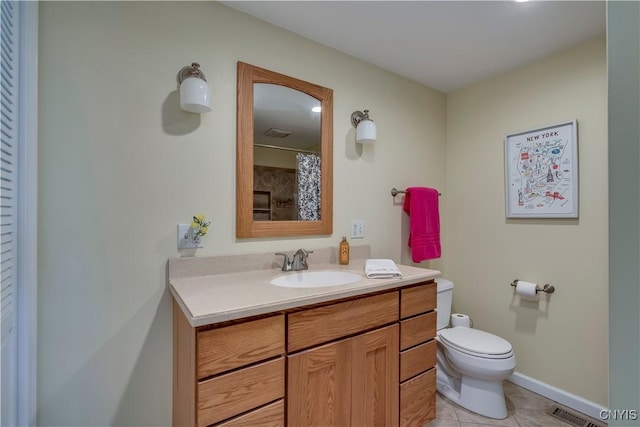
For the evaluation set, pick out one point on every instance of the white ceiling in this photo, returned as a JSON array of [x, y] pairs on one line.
[[442, 44]]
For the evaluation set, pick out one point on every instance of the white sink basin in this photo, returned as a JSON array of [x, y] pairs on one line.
[[315, 279]]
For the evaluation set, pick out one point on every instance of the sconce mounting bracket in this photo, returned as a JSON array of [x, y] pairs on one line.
[[192, 70], [358, 116]]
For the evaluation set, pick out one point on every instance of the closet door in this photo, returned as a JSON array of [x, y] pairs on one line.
[[8, 210], [18, 210]]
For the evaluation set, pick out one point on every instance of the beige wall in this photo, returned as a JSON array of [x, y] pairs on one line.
[[121, 165], [561, 341]]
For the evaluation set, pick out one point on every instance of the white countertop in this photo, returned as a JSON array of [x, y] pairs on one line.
[[222, 297]]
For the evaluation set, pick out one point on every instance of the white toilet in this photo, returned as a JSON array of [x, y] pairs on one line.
[[471, 364]]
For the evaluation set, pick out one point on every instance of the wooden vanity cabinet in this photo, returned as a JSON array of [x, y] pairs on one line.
[[418, 321], [363, 361]]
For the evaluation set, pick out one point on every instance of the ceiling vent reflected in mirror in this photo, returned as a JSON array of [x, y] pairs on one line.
[[277, 133]]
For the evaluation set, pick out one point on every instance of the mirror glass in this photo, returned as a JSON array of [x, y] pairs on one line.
[[284, 155]]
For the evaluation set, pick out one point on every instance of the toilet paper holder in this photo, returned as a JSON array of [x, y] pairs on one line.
[[546, 288]]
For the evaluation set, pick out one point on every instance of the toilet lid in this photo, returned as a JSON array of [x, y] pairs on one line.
[[475, 341]]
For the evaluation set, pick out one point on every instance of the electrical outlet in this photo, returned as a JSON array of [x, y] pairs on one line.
[[185, 238], [357, 229]]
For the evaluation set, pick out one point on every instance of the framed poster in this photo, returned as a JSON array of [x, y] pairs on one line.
[[541, 172]]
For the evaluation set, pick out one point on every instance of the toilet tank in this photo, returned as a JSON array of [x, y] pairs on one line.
[[445, 295]]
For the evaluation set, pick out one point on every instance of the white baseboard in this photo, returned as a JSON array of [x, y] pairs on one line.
[[565, 398]]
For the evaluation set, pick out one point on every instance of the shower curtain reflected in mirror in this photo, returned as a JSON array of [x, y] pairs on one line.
[[308, 180]]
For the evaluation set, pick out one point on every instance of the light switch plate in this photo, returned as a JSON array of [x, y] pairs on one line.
[[185, 238], [357, 229]]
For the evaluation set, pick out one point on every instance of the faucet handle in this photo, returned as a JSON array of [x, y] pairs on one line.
[[286, 265], [303, 252], [300, 259]]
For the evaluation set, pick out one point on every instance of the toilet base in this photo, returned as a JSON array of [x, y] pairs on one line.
[[480, 396]]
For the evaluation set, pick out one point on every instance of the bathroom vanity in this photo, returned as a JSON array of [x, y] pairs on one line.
[[249, 353]]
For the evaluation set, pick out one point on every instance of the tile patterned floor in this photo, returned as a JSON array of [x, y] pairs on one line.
[[525, 409]]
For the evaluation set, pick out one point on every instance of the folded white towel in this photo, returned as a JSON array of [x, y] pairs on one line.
[[381, 269]]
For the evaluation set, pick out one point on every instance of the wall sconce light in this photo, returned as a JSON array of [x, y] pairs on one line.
[[365, 127], [194, 90]]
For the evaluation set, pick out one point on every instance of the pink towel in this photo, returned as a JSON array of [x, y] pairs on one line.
[[424, 218]]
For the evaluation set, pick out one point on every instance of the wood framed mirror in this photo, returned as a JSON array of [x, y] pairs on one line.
[[284, 175]]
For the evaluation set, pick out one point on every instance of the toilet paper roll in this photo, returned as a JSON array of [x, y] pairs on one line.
[[527, 290], [459, 319]]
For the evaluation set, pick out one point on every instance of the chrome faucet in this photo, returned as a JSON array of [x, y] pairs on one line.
[[299, 261]]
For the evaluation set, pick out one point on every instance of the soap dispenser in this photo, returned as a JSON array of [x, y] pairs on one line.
[[344, 251]]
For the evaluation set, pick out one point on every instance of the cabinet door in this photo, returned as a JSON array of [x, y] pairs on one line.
[[353, 382], [319, 386], [375, 384]]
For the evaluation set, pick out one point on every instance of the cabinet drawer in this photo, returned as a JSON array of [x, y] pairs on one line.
[[418, 400], [418, 299], [329, 322], [231, 347], [417, 330], [417, 360], [268, 416], [232, 394]]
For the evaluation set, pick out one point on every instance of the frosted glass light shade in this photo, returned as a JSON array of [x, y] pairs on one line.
[[366, 132], [195, 95]]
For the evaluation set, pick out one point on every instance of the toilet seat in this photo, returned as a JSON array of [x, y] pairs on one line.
[[476, 343]]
